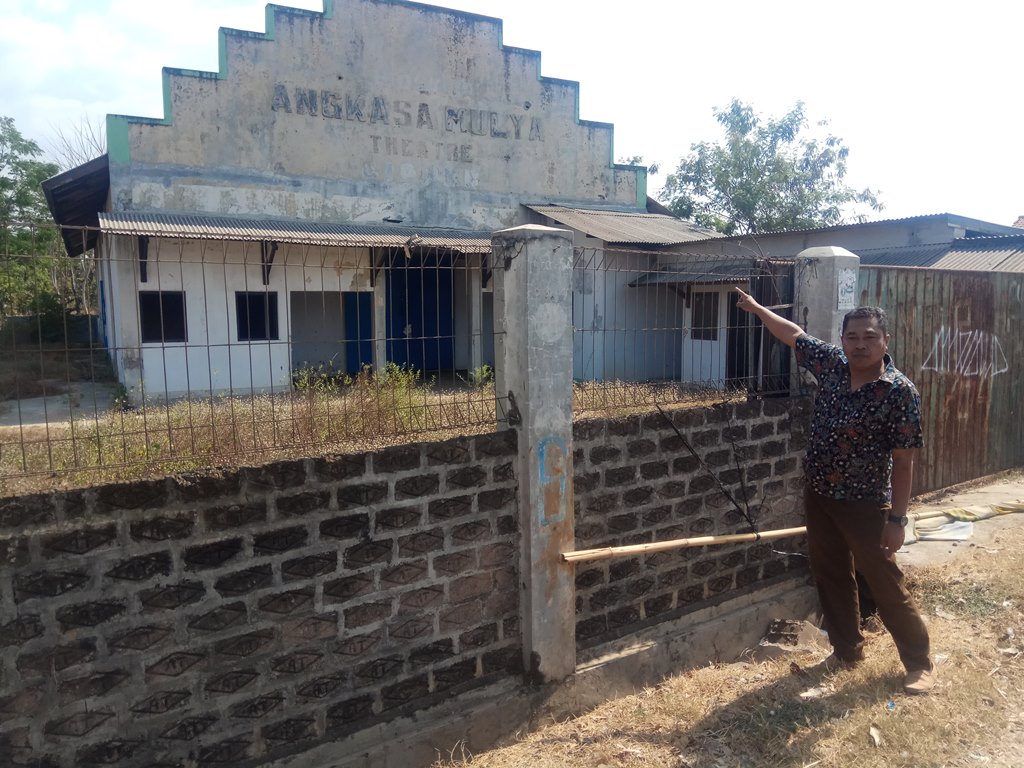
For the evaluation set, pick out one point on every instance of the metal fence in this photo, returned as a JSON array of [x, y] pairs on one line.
[[958, 336], [662, 327], [173, 345], [171, 350]]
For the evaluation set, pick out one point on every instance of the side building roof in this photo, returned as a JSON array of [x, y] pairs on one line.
[[978, 254], [617, 227]]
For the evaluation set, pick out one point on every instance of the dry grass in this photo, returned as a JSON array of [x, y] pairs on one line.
[[613, 399], [160, 439], [753, 715], [321, 416]]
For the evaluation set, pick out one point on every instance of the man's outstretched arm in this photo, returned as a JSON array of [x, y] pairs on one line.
[[782, 329]]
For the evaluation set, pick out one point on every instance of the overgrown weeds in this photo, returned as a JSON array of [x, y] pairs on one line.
[[327, 410], [322, 414]]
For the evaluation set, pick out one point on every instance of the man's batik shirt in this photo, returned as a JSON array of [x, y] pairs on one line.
[[853, 434]]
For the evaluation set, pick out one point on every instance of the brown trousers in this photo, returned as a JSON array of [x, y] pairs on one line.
[[841, 534]]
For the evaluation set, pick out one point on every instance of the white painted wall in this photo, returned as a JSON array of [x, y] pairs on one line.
[[704, 360], [213, 360], [623, 333]]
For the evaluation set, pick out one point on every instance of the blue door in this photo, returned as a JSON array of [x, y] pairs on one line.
[[357, 311], [420, 318]]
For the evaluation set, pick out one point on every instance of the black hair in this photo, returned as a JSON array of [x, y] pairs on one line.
[[866, 313]]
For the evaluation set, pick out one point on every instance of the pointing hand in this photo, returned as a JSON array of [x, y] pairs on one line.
[[745, 301]]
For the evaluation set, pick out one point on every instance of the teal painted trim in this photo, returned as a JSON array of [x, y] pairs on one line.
[[117, 138], [167, 95], [222, 52], [441, 9], [273, 8], [641, 183], [270, 21], [527, 52]]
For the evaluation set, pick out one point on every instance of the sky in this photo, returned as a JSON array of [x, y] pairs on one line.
[[927, 95]]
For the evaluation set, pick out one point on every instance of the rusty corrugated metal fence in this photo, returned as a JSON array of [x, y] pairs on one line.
[[958, 335]]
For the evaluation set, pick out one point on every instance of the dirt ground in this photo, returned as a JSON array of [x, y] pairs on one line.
[[1007, 488], [1006, 751], [75, 400]]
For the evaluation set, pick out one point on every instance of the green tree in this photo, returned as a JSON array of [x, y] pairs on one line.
[[21, 196], [28, 241], [766, 175]]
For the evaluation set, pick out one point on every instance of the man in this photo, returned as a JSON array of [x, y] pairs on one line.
[[858, 469]]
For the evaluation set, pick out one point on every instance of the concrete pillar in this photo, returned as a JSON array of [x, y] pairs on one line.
[[533, 311], [825, 290]]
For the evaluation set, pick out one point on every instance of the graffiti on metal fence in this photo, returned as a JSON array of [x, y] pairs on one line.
[[967, 353]]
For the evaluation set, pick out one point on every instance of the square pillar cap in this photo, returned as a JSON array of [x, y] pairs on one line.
[[824, 251]]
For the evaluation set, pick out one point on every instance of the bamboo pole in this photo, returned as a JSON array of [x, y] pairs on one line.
[[606, 553]]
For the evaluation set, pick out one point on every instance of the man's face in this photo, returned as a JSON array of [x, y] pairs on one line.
[[864, 344]]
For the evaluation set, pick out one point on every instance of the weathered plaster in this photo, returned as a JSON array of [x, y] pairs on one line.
[[319, 119]]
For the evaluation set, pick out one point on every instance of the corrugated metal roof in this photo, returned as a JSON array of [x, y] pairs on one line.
[[191, 227], [979, 254], [990, 254], [904, 256], [699, 272], [625, 227], [951, 218]]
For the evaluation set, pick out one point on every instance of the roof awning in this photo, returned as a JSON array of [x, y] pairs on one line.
[[625, 227], [700, 272], [192, 227], [74, 198]]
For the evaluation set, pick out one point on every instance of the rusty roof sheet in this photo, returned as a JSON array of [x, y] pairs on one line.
[[194, 227], [625, 227]]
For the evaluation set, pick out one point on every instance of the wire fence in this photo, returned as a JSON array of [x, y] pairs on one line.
[[171, 353], [169, 347], [662, 328]]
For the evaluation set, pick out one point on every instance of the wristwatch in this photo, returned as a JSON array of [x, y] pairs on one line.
[[898, 520]]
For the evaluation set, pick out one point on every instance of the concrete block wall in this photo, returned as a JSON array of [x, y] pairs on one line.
[[635, 483], [230, 619]]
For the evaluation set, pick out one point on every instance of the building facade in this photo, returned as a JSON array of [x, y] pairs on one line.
[[328, 196]]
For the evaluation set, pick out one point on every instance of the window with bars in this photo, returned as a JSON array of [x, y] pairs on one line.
[[256, 313], [704, 320], [162, 316]]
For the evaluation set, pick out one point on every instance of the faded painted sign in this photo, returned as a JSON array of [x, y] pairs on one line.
[[846, 282], [551, 458]]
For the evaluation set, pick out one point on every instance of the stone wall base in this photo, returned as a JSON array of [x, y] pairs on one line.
[[481, 719]]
